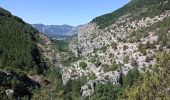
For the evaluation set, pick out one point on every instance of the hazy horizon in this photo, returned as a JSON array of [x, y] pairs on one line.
[[60, 12]]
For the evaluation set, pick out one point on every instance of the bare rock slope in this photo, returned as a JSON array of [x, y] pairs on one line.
[[130, 41]]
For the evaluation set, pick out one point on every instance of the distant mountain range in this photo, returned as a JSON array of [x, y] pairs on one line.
[[123, 55], [56, 31]]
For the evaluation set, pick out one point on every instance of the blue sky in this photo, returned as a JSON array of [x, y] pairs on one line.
[[58, 12]]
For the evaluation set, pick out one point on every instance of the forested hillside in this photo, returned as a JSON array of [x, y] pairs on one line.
[[18, 50], [19, 57], [134, 7], [152, 85], [122, 55]]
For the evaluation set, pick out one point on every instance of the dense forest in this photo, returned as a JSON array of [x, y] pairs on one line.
[[19, 56], [133, 7], [18, 51]]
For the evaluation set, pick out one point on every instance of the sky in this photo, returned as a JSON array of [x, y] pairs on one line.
[[59, 12]]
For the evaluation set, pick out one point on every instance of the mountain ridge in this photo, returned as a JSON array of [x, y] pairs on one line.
[[20, 57], [121, 55], [113, 44], [56, 31]]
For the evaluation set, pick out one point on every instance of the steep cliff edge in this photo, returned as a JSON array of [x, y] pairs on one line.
[[115, 43]]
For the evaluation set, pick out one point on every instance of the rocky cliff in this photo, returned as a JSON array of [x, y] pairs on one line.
[[132, 40]]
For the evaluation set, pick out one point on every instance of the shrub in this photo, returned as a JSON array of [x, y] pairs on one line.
[[151, 84], [108, 68], [83, 64], [98, 63], [61, 45], [131, 77], [68, 59], [93, 60], [134, 62], [114, 45], [126, 59], [148, 59], [105, 67], [103, 49], [106, 92], [125, 47], [111, 55], [168, 45], [114, 66], [142, 48]]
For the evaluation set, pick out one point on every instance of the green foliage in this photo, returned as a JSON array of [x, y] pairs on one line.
[[153, 84], [108, 68], [109, 91], [51, 86], [18, 51], [131, 77], [126, 59], [22, 85], [132, 7], [162, 32], [14, 82], [72, 89], [111, 55], [54, 73], [92, 77], [68, 59], [114, 66], [105, 67], [83, 64], [95, 50], [19, 55], [142, 48], [103, 49], [61, 45], [114, 45], [97, 63], [106, 92], [93, 60]]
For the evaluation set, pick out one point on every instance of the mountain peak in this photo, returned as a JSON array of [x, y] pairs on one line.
[[55, 31]]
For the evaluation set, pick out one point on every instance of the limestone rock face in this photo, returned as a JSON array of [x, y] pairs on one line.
[[112, 76], [118, 45], [130, 41], [9, 92]]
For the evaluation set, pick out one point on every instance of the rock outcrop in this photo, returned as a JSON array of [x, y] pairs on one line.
[[115, 45]]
